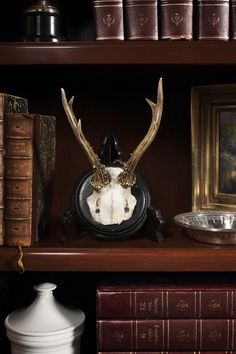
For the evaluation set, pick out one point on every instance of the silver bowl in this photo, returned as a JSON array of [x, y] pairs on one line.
[[209, 226]]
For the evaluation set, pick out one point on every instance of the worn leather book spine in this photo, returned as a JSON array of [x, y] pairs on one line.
[[108, 19], [180, 302], [173, 335], [29, 169], [176, 19], [8, 103], [141, 19], [213, 19]]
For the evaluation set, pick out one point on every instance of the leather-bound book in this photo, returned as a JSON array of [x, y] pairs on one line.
[[8, 103], [108, 19], [29, 171], [174, 352], [166, 301], [141, 19], [174, 334], [213, 19], [176, 19]]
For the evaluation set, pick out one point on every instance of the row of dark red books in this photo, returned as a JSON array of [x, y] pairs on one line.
[[165, 318], [193, 352], [164, 20]]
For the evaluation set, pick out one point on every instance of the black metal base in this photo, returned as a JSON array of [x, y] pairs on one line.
[[152, 226]]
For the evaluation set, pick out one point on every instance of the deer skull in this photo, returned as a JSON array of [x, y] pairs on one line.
[[112, 201]]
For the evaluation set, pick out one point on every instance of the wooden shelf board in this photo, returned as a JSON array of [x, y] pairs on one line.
[[124, 52], [177, 253]]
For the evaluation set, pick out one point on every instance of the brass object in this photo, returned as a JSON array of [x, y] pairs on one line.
[[42, 23], [209, 226]]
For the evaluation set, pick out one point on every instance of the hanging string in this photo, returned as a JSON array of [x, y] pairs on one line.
[[20, 260]]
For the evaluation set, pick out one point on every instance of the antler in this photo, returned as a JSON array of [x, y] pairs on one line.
[[127, 177], [100, 178]]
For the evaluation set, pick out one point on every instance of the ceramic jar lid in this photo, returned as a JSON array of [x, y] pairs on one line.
[[45, 317]]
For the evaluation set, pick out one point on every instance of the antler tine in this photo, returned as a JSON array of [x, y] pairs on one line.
[[127, 177], [100, 178]]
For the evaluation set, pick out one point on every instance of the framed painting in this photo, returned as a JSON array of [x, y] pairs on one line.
[[213, 124]]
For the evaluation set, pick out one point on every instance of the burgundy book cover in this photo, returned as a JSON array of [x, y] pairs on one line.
[[213, 19], [167, 301], [176, 19], [175, 352], [141, 19], [108, 19], [174, 334]]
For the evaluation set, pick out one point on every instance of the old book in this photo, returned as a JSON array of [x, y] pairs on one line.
[[173, 334], [29, 171], [213, 19], [8, 103], [108, 19], [176, 19], [172, 352], [141, 19], [166, 301]]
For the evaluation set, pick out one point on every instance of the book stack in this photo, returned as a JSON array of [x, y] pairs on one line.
[[164, 19], [165, 318], [27, 153]]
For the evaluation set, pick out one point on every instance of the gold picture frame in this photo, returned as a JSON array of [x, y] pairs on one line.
[[213, 132]]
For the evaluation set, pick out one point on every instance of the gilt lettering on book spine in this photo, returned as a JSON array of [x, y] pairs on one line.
[[213, 19], [141, 19], [173, 334], [217, 301], [176, 19], [108, 19]]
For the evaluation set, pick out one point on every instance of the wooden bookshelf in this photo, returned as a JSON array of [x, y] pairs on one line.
[[110, 81], [144, 53], [84, 252]]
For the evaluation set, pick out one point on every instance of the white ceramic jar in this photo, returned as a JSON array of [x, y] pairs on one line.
[[45, 327]]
